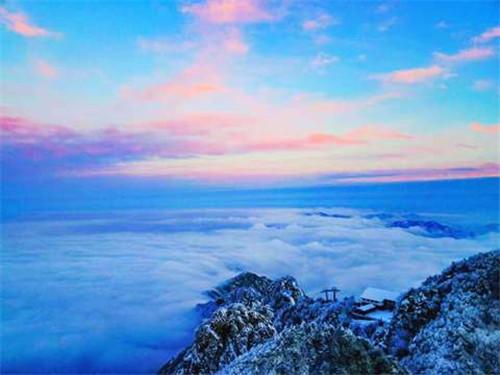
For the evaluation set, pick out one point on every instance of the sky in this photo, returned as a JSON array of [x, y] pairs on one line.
[[247, 93]]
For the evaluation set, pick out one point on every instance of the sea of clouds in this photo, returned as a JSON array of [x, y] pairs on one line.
[[115, 292]]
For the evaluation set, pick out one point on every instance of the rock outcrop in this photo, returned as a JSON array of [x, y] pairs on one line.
[[231, 331]]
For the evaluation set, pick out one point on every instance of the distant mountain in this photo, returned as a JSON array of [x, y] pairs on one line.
[[254, 325], [431, 228]]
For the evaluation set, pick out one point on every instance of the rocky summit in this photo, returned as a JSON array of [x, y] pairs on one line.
[[255, 325], [450, 325]]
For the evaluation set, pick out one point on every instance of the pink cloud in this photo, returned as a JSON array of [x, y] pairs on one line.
[[466, 55], [355, 137], [45, 69], [373, 132], [19, 23], [488, 35], [312, 141], [412, 76], [315, 105], [186, 91], [202, 124], [488, 129], [198, 80], [200, 135], [23, 130], [322, 21], [233, 42], [229, 11]]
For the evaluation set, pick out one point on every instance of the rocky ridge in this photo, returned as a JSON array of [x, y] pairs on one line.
[[254, 325]]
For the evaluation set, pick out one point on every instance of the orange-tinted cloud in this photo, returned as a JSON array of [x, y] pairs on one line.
[[488, 129], [45, 69], [19, 23], [229, 11], [412, 76], [466, 55]]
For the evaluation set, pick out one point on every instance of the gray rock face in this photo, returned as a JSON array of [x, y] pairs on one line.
[[450, 325], [314, 349]]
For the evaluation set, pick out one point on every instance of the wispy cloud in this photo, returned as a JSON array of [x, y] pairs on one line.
[[230, 11], [387, 24], [322, 21], [376, 132], [164, 45], [200, 79], [422, 174], [46, 69], [487, 129], [233, 42], [466, 55], [383, 8], [488, 35], [412, 76], [20, 23], [442, 25], [323, 60], [481, 85]]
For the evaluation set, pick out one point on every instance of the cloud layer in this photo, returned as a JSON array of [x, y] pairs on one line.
[[114, 293]]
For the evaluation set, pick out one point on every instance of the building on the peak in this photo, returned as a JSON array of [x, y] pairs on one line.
[[375, 304]]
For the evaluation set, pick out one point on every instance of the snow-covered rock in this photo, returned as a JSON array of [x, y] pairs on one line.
[[231, 331], [315, 348], [451, 324]]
